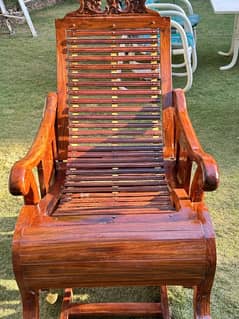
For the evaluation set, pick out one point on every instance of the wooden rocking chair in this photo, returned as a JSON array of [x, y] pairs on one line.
[[113, 184]]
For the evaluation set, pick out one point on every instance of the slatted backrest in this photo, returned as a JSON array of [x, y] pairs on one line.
[[113, 69]]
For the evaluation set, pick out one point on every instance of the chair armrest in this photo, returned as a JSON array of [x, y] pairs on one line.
[[206, 177], [41, 156]]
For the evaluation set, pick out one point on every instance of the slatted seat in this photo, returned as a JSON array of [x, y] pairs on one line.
[[117, 201], [115, 151]]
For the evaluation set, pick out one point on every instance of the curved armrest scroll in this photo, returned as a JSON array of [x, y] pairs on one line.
[[207, 172], [42, 152]]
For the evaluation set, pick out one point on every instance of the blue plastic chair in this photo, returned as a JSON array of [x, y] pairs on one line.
[[182, 42], [186, 8]]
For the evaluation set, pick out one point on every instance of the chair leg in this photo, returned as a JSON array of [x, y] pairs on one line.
[[67, 300], [30, 305], [164, 302], [201, 300], [202, 292]]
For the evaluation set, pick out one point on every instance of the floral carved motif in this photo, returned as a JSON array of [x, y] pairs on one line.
[[92, 7]]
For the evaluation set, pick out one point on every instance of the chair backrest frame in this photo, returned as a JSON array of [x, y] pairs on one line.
[[111, 19]]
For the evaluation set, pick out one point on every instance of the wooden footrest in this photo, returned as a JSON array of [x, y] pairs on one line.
[[113, 309], [72, 310]]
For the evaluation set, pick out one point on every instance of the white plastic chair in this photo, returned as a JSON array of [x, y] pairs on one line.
[[183, 6], [186, 51], [182, 41], [193, 17], [179, 33]]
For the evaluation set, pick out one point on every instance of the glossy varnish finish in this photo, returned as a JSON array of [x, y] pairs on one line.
[[115, 145], [119, 202]]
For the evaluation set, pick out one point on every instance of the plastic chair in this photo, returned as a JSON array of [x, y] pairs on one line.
[[182, 41], [184, 7], [193, 17], [178, 33], [186, 50]]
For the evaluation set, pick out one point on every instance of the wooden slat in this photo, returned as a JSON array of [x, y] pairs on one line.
[[70, 205], [110, 171], [107, 209], [113, 92], [114, 183], [117, 195], [136, 211], [112, 155], [125, 219], [114, 83], [110, 49], [80, 203], [110, 125], [110, 109], [95, 189], [134, 177], [118, 66], [115, 117], [100, 58], [112, 148], [108, 75], [114, 161], [112, 40], [114, 164], [114, 140], [114, 132], [105, 32], [84, 208]]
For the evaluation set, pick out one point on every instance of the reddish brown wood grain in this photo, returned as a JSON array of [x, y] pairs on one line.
[[111, 198], [114, 309], [206, 176], [41, 155]]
